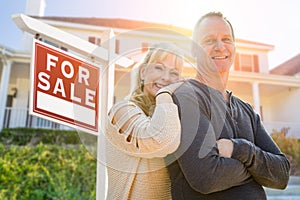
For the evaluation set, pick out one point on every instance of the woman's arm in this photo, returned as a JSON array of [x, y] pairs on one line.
[[130, 130]]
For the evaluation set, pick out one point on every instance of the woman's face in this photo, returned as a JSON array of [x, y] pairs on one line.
[[159, 74]]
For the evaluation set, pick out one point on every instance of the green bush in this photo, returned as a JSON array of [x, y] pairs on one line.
[[47, 172], [31, 136], [289, 146]]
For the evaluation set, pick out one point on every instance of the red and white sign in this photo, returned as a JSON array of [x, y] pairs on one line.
[[64, 88]]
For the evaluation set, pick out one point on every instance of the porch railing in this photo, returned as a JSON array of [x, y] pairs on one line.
[[20, 117]]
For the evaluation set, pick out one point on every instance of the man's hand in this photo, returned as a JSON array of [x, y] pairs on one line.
[[225, 147]]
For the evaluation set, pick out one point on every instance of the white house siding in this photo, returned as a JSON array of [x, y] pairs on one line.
[[122, 83], [279, 104], [283, 110], [263, 62], [19, 87], [18, 117]]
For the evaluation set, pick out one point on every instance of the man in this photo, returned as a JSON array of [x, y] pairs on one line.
[[225, 152]]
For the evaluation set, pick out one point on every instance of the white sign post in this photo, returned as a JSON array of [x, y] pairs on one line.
[[68, 90]]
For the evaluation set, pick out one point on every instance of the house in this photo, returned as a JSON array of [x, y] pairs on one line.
[[273, 95]]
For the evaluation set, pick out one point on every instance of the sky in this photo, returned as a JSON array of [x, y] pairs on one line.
[[273, 22]]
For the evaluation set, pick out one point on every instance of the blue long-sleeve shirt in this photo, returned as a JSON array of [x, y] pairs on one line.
[[199, 172]]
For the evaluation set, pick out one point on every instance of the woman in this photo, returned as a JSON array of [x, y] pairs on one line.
[[143, 130]]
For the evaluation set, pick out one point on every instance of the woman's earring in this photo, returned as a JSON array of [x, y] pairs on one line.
[[142, 85]]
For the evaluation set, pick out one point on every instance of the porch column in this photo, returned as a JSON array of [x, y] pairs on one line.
[[256, 99], [4, 89]]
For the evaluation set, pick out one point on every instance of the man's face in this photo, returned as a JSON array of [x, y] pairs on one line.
[[215, 37]]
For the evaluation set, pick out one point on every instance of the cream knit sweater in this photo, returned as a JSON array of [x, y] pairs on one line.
[[134, 158]]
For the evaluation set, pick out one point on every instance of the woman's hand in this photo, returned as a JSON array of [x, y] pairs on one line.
[[164, 95], [170, 88]]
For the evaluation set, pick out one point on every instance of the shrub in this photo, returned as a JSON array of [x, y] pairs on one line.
[[31, 136], [289, 146], [47, 172]]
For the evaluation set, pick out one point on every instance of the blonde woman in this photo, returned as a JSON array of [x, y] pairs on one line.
[[143, 130]]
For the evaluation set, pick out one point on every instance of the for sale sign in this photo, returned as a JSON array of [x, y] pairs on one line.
[[65, 88]]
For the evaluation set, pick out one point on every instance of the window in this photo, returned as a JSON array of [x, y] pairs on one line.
[[117, 47], [145, 46], [246, 63], [95, 40]]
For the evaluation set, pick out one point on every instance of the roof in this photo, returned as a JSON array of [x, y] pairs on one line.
[[271, 47], [133, 24], [115, 23], [290, 67]]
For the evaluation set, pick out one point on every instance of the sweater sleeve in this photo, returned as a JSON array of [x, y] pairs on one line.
[[198, 158], [264, 160], [146, 137]]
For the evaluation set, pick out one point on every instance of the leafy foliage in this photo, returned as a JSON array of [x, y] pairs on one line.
[[47, 172], [289, 146], [31, 136]]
